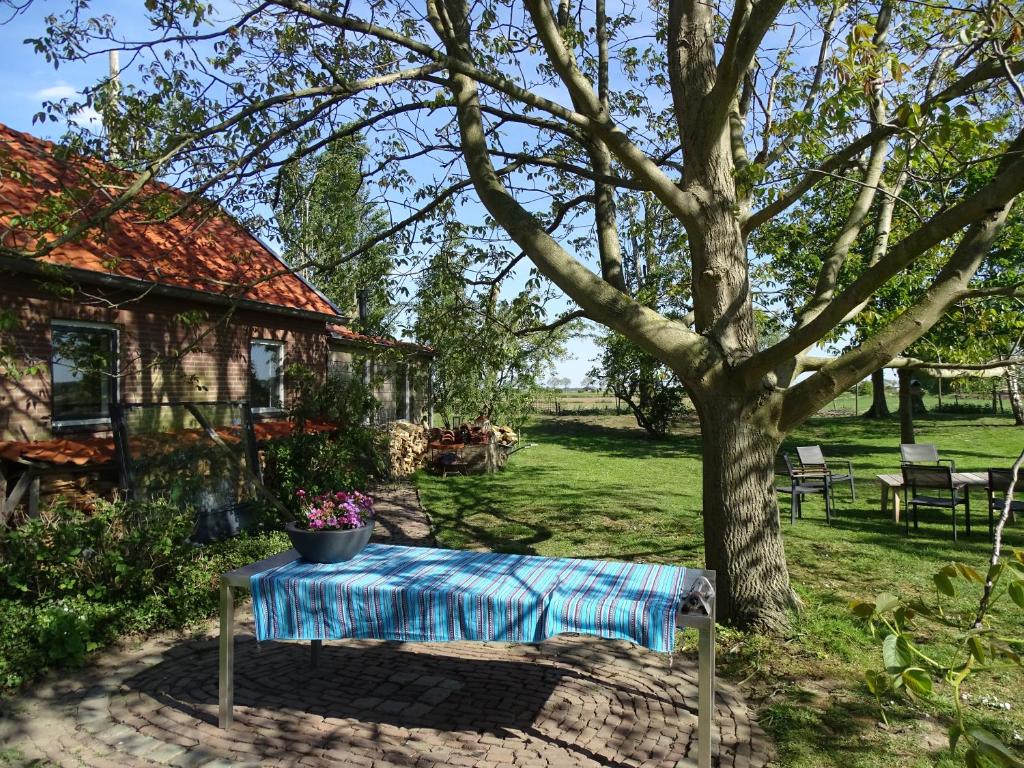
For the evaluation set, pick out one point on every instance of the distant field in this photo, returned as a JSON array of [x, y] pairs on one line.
[[576, 402]]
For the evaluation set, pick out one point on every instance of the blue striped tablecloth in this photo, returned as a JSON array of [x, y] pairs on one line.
[[418, 594]]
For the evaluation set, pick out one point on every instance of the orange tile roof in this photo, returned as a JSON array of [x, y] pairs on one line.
[[93, 451], [346, 333], [210, 253]]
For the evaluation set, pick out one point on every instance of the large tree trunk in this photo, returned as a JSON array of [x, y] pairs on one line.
[[879, 407], [1013, 386], [742, 537]]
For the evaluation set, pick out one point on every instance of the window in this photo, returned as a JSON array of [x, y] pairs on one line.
[[401, 390], [84, 370], [266, 375]]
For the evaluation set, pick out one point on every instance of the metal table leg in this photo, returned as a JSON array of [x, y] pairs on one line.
[[314, 652], [705, 692], [226, 688]]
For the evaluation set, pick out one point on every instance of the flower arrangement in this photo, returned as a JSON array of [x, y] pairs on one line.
[[334, 510]]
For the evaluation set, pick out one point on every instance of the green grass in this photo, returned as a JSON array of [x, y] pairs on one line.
[[597, 487]]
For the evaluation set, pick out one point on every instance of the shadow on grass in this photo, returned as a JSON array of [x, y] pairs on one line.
[[620, 442]]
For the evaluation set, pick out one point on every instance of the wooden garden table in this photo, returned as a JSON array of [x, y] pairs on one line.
[[703, 623], [893, 483]]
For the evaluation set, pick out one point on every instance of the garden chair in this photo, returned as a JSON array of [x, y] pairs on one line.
[[998, 484], [923, 453], [918, 480], [811, 456], [802, 482]]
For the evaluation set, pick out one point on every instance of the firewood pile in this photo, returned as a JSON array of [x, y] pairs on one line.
[[407, 450], [505, 437]]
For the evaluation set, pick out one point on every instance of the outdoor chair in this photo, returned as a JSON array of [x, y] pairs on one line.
[[918, 481], [923, 453], [811, 456], [998, 484], [802, 482]]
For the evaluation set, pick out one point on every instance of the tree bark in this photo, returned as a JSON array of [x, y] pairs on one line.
[[1013, 386], [742, 536], [906, 407], [879, 406]]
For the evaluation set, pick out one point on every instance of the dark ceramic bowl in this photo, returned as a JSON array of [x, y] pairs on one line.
[[329, 546]]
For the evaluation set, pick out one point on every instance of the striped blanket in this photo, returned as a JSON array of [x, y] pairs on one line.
[[431, 595]]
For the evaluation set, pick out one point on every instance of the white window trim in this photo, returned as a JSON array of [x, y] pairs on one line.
[[101, 422], [280, 384]]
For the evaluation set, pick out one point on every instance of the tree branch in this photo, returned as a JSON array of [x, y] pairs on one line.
[[993, 199], [982, 73], [594, 296], [553, 325]]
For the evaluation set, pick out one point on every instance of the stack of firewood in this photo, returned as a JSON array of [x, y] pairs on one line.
[[407, 448], [505, 436]]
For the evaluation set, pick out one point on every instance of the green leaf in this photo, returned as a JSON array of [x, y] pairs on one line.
[[990, 747], [943, 584], [971, 759], [895, 654], [918, 681], [877, 682], [1016, 591], [969, 573], [861, 609], [977, 649], [886, 602]]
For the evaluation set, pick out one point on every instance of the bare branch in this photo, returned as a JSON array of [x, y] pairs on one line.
[[553, 325]]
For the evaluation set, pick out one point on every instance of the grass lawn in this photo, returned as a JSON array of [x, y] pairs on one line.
[[597, 487]]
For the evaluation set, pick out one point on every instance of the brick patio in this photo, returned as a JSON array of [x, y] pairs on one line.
[[573, 701]]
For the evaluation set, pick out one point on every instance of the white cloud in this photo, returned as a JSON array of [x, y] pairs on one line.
[[56, 92]]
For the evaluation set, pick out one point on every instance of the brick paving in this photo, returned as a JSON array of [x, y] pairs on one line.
[[572, 701]]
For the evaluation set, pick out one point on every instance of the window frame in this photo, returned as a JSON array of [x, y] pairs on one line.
[[58, 424], [279, 345]]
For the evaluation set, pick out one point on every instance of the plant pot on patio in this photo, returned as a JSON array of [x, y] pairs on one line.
[[329, 546]]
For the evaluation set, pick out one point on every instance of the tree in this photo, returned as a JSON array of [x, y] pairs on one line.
[[653, 268], [322, 213], [491, 356], [647, 386], [545, 115]]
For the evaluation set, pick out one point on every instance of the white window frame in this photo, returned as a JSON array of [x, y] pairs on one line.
[[280, 384], [103, 421]]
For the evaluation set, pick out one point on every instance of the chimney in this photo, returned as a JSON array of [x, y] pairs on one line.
[[113, 99], [363, 302]]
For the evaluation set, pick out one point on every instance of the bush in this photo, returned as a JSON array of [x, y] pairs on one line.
[[348, 460], [984, 409], [71, 583], [320, 463]]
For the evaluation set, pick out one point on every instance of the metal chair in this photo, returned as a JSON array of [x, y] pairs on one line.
[[999, 483], [803, 482], [923, 453], [918, 478], [811, 456]]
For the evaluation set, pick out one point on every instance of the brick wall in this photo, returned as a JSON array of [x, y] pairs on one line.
[[169, 349]]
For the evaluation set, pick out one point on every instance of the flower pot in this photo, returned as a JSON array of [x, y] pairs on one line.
[[329, 546]]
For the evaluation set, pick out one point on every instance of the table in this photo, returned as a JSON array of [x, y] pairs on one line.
[[893, 484], [704, 624]]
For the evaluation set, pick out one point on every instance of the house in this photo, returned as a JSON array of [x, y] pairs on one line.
[[162, 310]]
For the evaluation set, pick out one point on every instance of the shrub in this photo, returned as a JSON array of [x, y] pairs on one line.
[[349, 459], [71, 583], [318, 463]]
